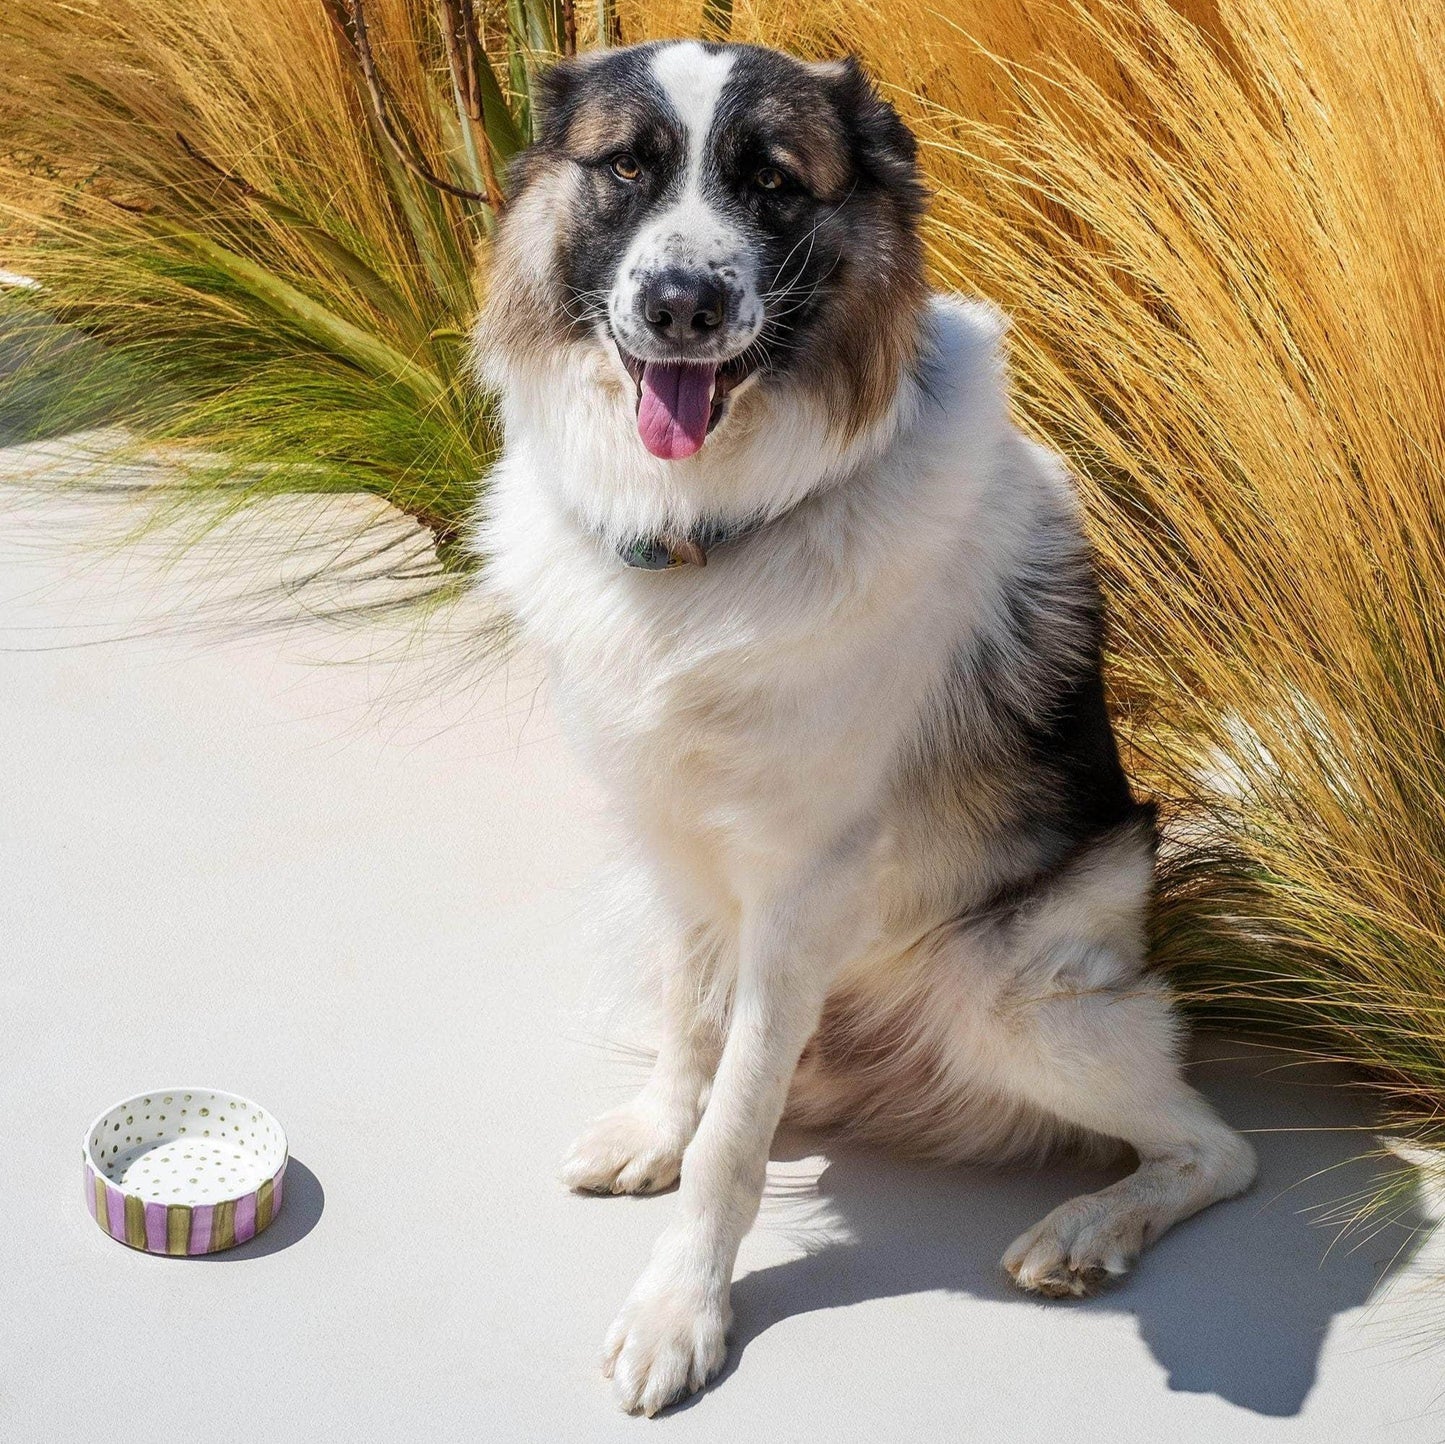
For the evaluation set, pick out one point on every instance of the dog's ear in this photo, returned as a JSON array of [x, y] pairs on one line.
[[554, 99], [883, 148]]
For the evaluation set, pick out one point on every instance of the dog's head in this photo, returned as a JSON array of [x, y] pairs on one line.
[[715, 218]]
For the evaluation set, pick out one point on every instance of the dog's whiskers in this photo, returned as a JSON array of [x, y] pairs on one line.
[[780, 286], [592, 304]]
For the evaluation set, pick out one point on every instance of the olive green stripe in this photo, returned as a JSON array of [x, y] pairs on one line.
[[178, 1228], [135, 1222], [263, 1204], [223, 1226], [102, 1207]]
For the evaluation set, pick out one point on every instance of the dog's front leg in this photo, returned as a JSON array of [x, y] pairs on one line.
[[670, 1337], [638, 1148]]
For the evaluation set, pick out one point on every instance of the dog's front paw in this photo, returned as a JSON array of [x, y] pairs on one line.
[[634, 1149], [1082, 1246], [668, 1341]]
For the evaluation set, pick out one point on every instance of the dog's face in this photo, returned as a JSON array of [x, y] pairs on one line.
[[729, 214]]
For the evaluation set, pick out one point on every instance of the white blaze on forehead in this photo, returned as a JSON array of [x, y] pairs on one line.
[[693, 79], [690, 232]]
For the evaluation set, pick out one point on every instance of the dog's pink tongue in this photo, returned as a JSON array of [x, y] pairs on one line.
[[676, 404]]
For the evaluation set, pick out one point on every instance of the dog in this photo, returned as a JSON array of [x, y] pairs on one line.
[[826, 625]]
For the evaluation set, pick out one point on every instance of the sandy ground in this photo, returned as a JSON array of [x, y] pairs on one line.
[[337, 872]]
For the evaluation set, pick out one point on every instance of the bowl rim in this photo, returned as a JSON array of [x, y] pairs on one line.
[[99, 1169]]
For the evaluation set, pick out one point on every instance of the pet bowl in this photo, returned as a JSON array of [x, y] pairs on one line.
[[184, 1170]]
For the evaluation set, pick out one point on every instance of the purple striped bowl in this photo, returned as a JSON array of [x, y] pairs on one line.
[[184, 1170]]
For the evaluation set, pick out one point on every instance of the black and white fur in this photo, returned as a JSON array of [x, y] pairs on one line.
[[863, 752]]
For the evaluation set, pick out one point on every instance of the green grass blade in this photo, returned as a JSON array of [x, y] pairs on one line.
[[325, 327]]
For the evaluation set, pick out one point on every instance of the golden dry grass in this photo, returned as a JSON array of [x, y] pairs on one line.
[[199, 186], [1217, 230]]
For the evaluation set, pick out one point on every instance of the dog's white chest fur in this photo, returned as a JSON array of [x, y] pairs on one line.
[[741, 710]]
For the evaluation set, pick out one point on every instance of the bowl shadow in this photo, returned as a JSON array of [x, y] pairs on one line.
[[302, 1204]]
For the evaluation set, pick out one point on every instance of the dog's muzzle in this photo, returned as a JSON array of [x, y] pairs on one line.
[[681, 343]]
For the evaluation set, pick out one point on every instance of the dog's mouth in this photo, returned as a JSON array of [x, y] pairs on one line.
[[679, 402]]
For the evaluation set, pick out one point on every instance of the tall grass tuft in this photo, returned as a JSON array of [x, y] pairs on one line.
[[1222, 256], [1217, 230], [241, 244]]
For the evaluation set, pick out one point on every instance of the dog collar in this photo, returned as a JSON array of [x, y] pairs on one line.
[[662, 552]]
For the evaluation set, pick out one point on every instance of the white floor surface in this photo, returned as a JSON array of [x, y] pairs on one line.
[[228, 858]]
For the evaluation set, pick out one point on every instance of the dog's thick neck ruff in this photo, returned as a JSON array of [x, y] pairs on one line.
[[573, 421]]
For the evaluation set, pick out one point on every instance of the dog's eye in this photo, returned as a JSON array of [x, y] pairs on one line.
[[625, 167], [769, 178]]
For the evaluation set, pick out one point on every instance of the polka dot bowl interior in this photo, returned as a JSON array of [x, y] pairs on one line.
[[184, 1170]]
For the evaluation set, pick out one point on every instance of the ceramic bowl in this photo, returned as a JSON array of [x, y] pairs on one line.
[[184, 1170]]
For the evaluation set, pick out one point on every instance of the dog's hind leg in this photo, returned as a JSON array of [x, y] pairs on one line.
[[638, 1147], [1106, 1061], [1078, 1031]]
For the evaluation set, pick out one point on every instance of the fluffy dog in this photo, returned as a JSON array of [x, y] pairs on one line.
[[826, 625]]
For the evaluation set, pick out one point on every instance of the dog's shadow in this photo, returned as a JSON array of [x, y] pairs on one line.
[[1235, 1302]]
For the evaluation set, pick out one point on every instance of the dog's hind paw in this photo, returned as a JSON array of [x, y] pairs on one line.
[[1080, 1248], [630, 1150]]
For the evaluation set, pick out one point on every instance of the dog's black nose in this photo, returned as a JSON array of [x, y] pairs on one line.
[[680, 305]]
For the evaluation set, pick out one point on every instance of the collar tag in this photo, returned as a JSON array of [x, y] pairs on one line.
[[648, 554], [664, 553]]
